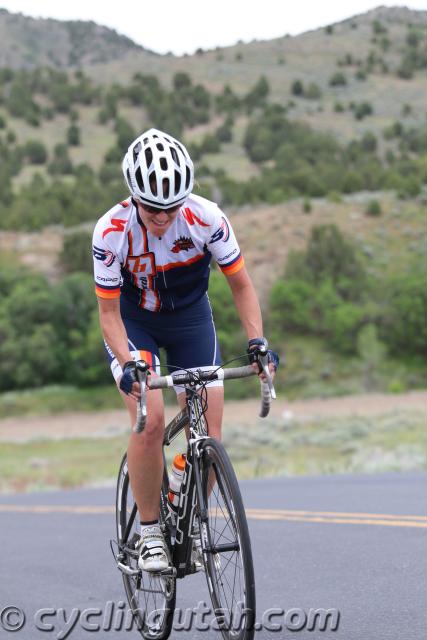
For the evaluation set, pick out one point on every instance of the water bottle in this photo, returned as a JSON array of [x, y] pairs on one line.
[[175, 480]]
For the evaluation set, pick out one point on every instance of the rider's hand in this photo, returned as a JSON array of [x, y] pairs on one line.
[[257, 346], [128, 382]]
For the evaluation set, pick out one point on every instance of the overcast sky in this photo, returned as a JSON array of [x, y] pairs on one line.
[[182, 26]]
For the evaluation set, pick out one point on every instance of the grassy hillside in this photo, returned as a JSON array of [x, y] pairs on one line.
[[27, 42], [356, 77], [311, 57], [327, 128]]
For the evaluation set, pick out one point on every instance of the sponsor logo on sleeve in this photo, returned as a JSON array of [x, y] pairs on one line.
[[101, 279], [232, 253], [103, 255], [117, 225], [222, 233], [182, 244]]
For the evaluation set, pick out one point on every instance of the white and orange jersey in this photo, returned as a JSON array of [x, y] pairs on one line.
[[164, 273]]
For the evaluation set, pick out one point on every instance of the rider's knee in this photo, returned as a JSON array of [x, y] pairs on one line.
[[154, 429], [153, 432]]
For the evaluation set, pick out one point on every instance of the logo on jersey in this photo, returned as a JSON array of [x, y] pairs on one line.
[[182, 244], [118, 225], [223, 233], [192, 219], [107, 257]]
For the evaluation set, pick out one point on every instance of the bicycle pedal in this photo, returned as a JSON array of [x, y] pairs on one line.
[[124, 568], [170, 572]]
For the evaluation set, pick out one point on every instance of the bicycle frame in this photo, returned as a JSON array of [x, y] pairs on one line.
[[193, 418]]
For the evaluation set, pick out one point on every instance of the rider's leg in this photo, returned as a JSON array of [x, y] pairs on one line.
[[214, 411], [145, 456]]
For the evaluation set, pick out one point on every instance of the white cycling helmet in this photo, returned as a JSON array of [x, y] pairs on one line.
[[158, 170]]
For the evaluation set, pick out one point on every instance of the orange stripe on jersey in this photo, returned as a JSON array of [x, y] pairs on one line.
[[103, 293], [172, 265], [233, 268]]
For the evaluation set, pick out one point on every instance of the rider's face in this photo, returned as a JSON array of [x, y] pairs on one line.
[[157, 221]]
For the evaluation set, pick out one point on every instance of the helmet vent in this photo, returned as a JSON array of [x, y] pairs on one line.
[[177, 182], [160, 146], [139, 180], [187, 177], [136, 150], [166, 188], [164, 164], [148, 157], [174, 156], [153, 182]]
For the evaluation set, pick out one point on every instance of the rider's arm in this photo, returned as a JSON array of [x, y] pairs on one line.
[[246, 301], [113, 328]]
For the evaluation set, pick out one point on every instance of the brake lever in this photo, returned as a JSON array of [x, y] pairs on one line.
[[263, 361], [142, 374]]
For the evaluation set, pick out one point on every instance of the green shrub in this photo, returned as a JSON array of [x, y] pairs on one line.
[[360, 74], [61, 163], [297, 88], [312, 92], [373, 208], [35, 151], [76, 254], [306, 207], [73, 135], [404, 326], [363, 109], [338, 80]]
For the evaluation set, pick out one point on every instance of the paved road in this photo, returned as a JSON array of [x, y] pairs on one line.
[[356, 544]]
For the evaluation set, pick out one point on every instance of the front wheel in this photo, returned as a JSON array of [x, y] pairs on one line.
[[226, 544], [151, 597]]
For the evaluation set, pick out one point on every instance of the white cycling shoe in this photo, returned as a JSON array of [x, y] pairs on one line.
[[153, 554]]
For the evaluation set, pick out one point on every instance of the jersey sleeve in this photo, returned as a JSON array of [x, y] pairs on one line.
[[224, 246], [106, 266]]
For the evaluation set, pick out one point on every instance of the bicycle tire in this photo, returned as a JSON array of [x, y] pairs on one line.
[[226, 526], [151, 598]]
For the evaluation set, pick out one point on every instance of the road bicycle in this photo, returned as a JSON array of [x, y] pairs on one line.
[[210, 516]]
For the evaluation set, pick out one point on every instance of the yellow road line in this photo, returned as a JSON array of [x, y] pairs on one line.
[[288, 515], [341, 520], [342, 514]]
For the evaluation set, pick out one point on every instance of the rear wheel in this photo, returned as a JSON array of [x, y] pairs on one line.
[[151, 596], [226, 545]]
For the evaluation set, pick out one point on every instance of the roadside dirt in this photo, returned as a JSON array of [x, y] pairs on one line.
[[110, 423]]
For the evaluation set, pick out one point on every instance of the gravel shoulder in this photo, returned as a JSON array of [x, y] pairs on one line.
[[106, 424]]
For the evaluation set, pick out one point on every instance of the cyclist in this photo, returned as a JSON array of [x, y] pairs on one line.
[[151, 262]]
